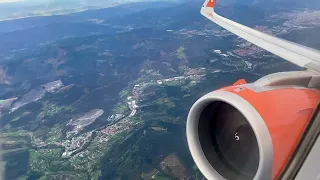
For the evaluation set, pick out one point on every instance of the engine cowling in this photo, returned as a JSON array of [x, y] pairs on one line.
[[250, 131]]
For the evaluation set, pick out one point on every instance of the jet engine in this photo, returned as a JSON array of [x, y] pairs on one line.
[[261, 130]]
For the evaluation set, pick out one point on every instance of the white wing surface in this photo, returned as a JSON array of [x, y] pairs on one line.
[[298, 54]]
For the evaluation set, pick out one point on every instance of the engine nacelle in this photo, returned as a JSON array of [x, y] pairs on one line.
[[250, 131]]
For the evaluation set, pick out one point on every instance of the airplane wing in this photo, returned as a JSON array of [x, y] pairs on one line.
[[298, 54]]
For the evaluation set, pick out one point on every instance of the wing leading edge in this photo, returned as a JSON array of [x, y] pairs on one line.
[[298, 54]]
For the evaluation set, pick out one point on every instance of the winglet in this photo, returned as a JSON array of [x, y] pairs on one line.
[[295, 53], [210, 3], [207, 7]]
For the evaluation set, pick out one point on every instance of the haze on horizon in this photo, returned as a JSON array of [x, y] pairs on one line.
[[17, 9]]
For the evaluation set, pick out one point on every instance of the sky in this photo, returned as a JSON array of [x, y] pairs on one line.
[[44, 1], [8, 1]]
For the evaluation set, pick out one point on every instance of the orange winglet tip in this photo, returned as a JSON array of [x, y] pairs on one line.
[[239, 82], [211, 3]]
